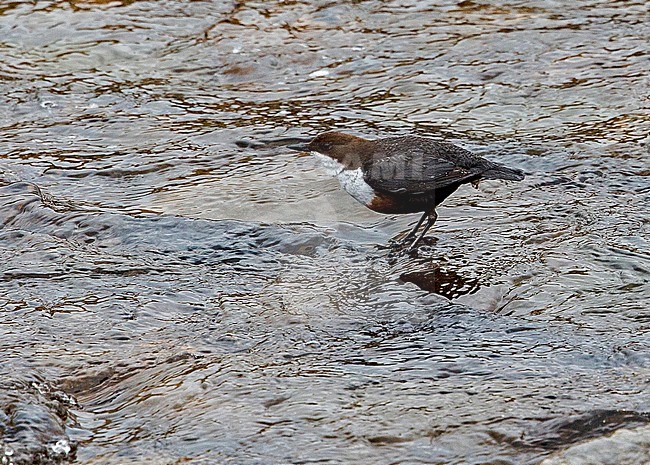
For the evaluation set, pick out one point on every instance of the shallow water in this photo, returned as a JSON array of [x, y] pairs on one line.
[[167, 295]]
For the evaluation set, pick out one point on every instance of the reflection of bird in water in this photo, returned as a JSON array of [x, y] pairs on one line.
[[403, 174], [446, 283]]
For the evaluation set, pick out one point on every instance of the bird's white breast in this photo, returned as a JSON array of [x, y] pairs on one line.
[[351, 180]]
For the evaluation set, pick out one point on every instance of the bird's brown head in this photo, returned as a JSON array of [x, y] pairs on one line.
[[348, 150]]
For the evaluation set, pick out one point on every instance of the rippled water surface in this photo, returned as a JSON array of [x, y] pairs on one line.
[[168, 296]]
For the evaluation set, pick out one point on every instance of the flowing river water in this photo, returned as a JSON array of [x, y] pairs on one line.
[[169, 294]]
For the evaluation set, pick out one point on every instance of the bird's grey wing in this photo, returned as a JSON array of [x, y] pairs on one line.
[[414, 175]]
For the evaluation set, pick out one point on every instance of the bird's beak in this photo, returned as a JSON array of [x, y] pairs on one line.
[[299, 147]]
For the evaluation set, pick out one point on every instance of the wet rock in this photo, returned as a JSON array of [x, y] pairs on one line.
[[624, 447], [557, 433], [446, 283], [33, 421]]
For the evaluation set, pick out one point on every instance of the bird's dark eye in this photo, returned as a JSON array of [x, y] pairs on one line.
[[328, 146]]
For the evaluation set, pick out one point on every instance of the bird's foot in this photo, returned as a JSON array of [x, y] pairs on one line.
[[415, 246], [412, 248], [398, 242]]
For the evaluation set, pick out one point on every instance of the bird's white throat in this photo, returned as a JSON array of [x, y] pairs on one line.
[[332, 166], [351, 180]]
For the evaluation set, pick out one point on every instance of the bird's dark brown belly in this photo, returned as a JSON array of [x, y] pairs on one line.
[[402, 203]]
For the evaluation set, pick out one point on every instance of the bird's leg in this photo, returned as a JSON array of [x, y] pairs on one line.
[[432, 217], [417, 226]]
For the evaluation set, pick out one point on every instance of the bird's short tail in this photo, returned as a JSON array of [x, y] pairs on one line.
[[502, 172]]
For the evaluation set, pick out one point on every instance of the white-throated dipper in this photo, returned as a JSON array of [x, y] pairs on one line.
[[407, 174]]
